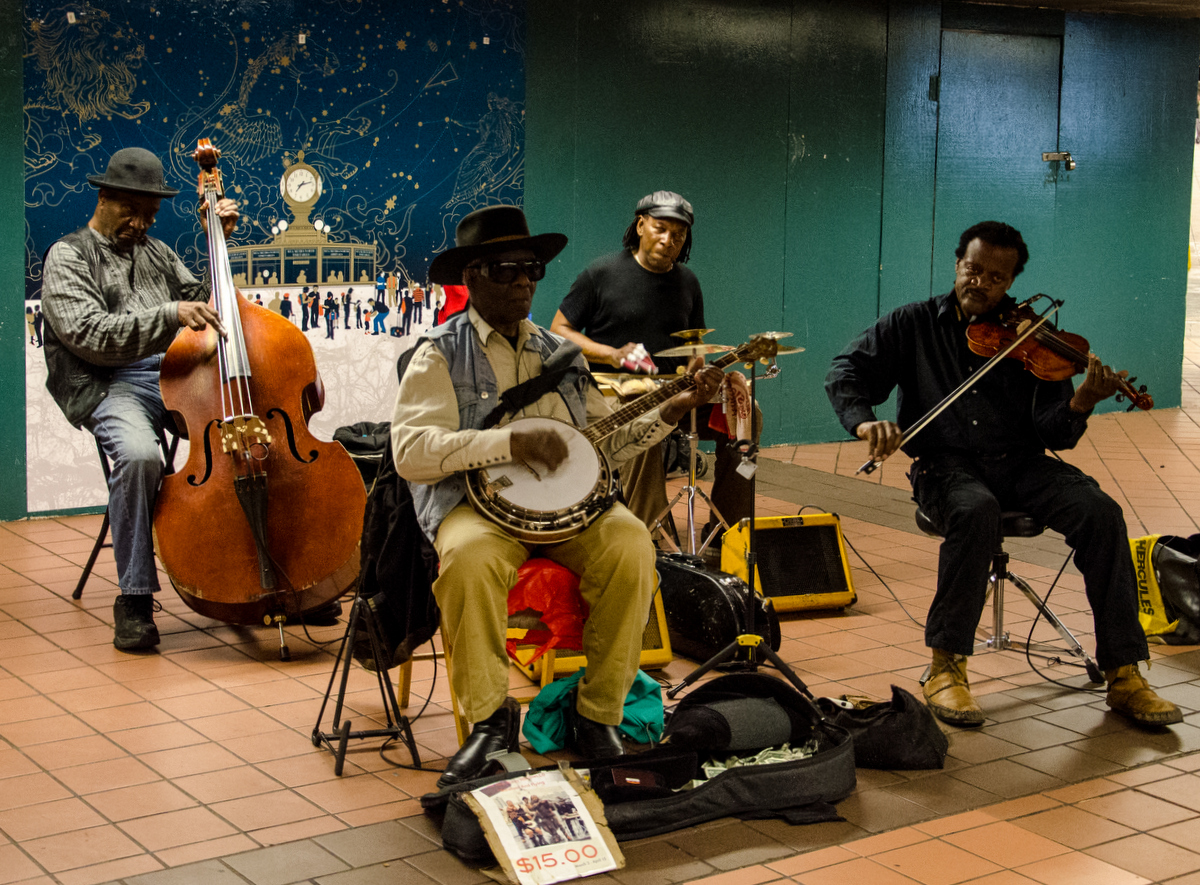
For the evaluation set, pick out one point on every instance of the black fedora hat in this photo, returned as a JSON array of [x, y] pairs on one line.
[[491, 231], [135, 170]]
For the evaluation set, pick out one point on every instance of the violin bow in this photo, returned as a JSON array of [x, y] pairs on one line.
[[871, 464]]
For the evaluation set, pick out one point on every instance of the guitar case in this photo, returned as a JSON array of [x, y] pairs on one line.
[[705, 609]]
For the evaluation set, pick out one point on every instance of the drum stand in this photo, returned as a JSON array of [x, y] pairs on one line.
[[397, 724], [754, 644], [691, 491]]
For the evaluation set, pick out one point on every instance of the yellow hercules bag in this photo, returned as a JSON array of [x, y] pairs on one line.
[[1168, 582]]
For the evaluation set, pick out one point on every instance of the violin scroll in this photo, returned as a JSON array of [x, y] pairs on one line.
[[1137, 396]]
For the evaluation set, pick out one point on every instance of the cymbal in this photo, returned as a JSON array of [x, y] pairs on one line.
[[782, 351], [775, 335], [692, 334], [694, 350]]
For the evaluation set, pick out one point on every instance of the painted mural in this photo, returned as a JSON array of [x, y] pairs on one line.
[[354, 134]]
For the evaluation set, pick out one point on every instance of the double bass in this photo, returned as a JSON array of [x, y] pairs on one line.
[[263, 522]]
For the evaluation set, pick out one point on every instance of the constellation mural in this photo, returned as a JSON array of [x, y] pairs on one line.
[[410, 114]]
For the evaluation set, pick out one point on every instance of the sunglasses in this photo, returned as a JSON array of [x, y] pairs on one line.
[[506, 271]]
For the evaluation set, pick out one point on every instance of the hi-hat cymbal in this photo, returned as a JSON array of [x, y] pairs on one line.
[[775, 335], [694, 335], [694, 350]]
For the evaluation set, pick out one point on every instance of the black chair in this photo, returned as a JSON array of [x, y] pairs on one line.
[[1019, 525], [168, 441]]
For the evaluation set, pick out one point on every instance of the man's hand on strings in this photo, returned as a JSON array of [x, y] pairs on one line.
[[882, 437], [197, 315], [1099, 384], [707, 378], [227, 211], [542, 450]]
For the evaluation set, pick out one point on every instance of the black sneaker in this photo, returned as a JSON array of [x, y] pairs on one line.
[[134, 617]]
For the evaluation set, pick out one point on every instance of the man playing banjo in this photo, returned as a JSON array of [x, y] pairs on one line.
[[474, 367]]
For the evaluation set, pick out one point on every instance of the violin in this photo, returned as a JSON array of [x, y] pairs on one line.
[[263, 522], [1050, 354]]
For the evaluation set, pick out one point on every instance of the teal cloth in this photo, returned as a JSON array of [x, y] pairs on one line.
[[545, 724]]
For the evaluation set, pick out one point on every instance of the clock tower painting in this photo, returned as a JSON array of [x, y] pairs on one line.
[[300, 252]]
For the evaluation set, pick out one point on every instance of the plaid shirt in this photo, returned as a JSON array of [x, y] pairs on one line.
[[106, 309]]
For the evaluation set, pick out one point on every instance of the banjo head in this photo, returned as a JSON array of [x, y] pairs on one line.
[[549, 505]]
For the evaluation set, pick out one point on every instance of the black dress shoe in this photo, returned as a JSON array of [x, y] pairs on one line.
[[591, 740], [499, 733], [325, 616]]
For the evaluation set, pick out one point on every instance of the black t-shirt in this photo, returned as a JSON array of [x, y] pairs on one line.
[[616, 300]]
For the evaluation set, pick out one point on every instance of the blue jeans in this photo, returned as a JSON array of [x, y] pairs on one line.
[[126, 424], [378, 326]]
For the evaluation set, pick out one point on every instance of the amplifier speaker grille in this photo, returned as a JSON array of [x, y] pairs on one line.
[[801, 560]]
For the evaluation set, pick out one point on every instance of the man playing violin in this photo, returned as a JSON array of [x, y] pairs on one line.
[[986, 453], [455, 379], [114, 299]]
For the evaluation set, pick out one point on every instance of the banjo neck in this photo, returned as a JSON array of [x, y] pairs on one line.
[[643, 404]]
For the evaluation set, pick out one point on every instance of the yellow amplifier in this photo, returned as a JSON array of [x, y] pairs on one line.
[[801, 560]]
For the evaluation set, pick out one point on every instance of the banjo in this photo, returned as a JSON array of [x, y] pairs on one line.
[[550, 507]]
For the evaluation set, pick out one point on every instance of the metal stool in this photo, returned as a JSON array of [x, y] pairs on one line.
[[168, 441], [1016, 524]]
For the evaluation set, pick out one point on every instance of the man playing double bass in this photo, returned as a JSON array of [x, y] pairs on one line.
[[986, 454], [114, 299], [440, 430]]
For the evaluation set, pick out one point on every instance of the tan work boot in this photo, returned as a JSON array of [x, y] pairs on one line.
[[948, 693], [1130, 695]]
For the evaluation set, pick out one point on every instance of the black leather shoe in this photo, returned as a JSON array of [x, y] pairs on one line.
[[499, 733], [325, 616], [591, 740]]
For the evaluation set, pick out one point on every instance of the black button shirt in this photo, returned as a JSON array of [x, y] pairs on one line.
[[921, 349]]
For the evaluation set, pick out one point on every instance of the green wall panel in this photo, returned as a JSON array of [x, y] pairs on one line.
[[1128, 118], [12, 266], [910, 152], [834, 191]]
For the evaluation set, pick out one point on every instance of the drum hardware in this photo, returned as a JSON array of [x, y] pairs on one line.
[[749, 644], [691, 490], [693, 346]]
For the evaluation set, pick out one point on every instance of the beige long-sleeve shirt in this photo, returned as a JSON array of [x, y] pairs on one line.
[[428, 444]]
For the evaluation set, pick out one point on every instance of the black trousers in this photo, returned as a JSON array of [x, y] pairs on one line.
[[965, 496]]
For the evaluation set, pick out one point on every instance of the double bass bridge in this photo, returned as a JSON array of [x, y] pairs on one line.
[[246, 434]]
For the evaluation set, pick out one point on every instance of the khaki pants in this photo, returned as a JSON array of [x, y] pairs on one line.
[[615, 563]]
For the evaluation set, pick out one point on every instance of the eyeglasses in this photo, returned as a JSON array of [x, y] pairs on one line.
[[506, 271]]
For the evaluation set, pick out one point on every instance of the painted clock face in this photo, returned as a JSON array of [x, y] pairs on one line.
[[301, 185]]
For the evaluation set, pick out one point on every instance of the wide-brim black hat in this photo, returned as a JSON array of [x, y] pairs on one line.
[[135, 170], [491, 231]]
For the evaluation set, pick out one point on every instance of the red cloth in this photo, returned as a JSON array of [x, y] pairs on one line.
[[456, 302], [552, 590]]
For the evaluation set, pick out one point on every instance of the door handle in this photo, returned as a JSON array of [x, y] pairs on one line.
[[1064, 156]]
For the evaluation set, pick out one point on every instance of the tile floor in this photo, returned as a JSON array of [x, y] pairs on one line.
[[195, 764]]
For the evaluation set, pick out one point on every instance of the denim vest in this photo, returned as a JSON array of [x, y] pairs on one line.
[[475, 388]]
